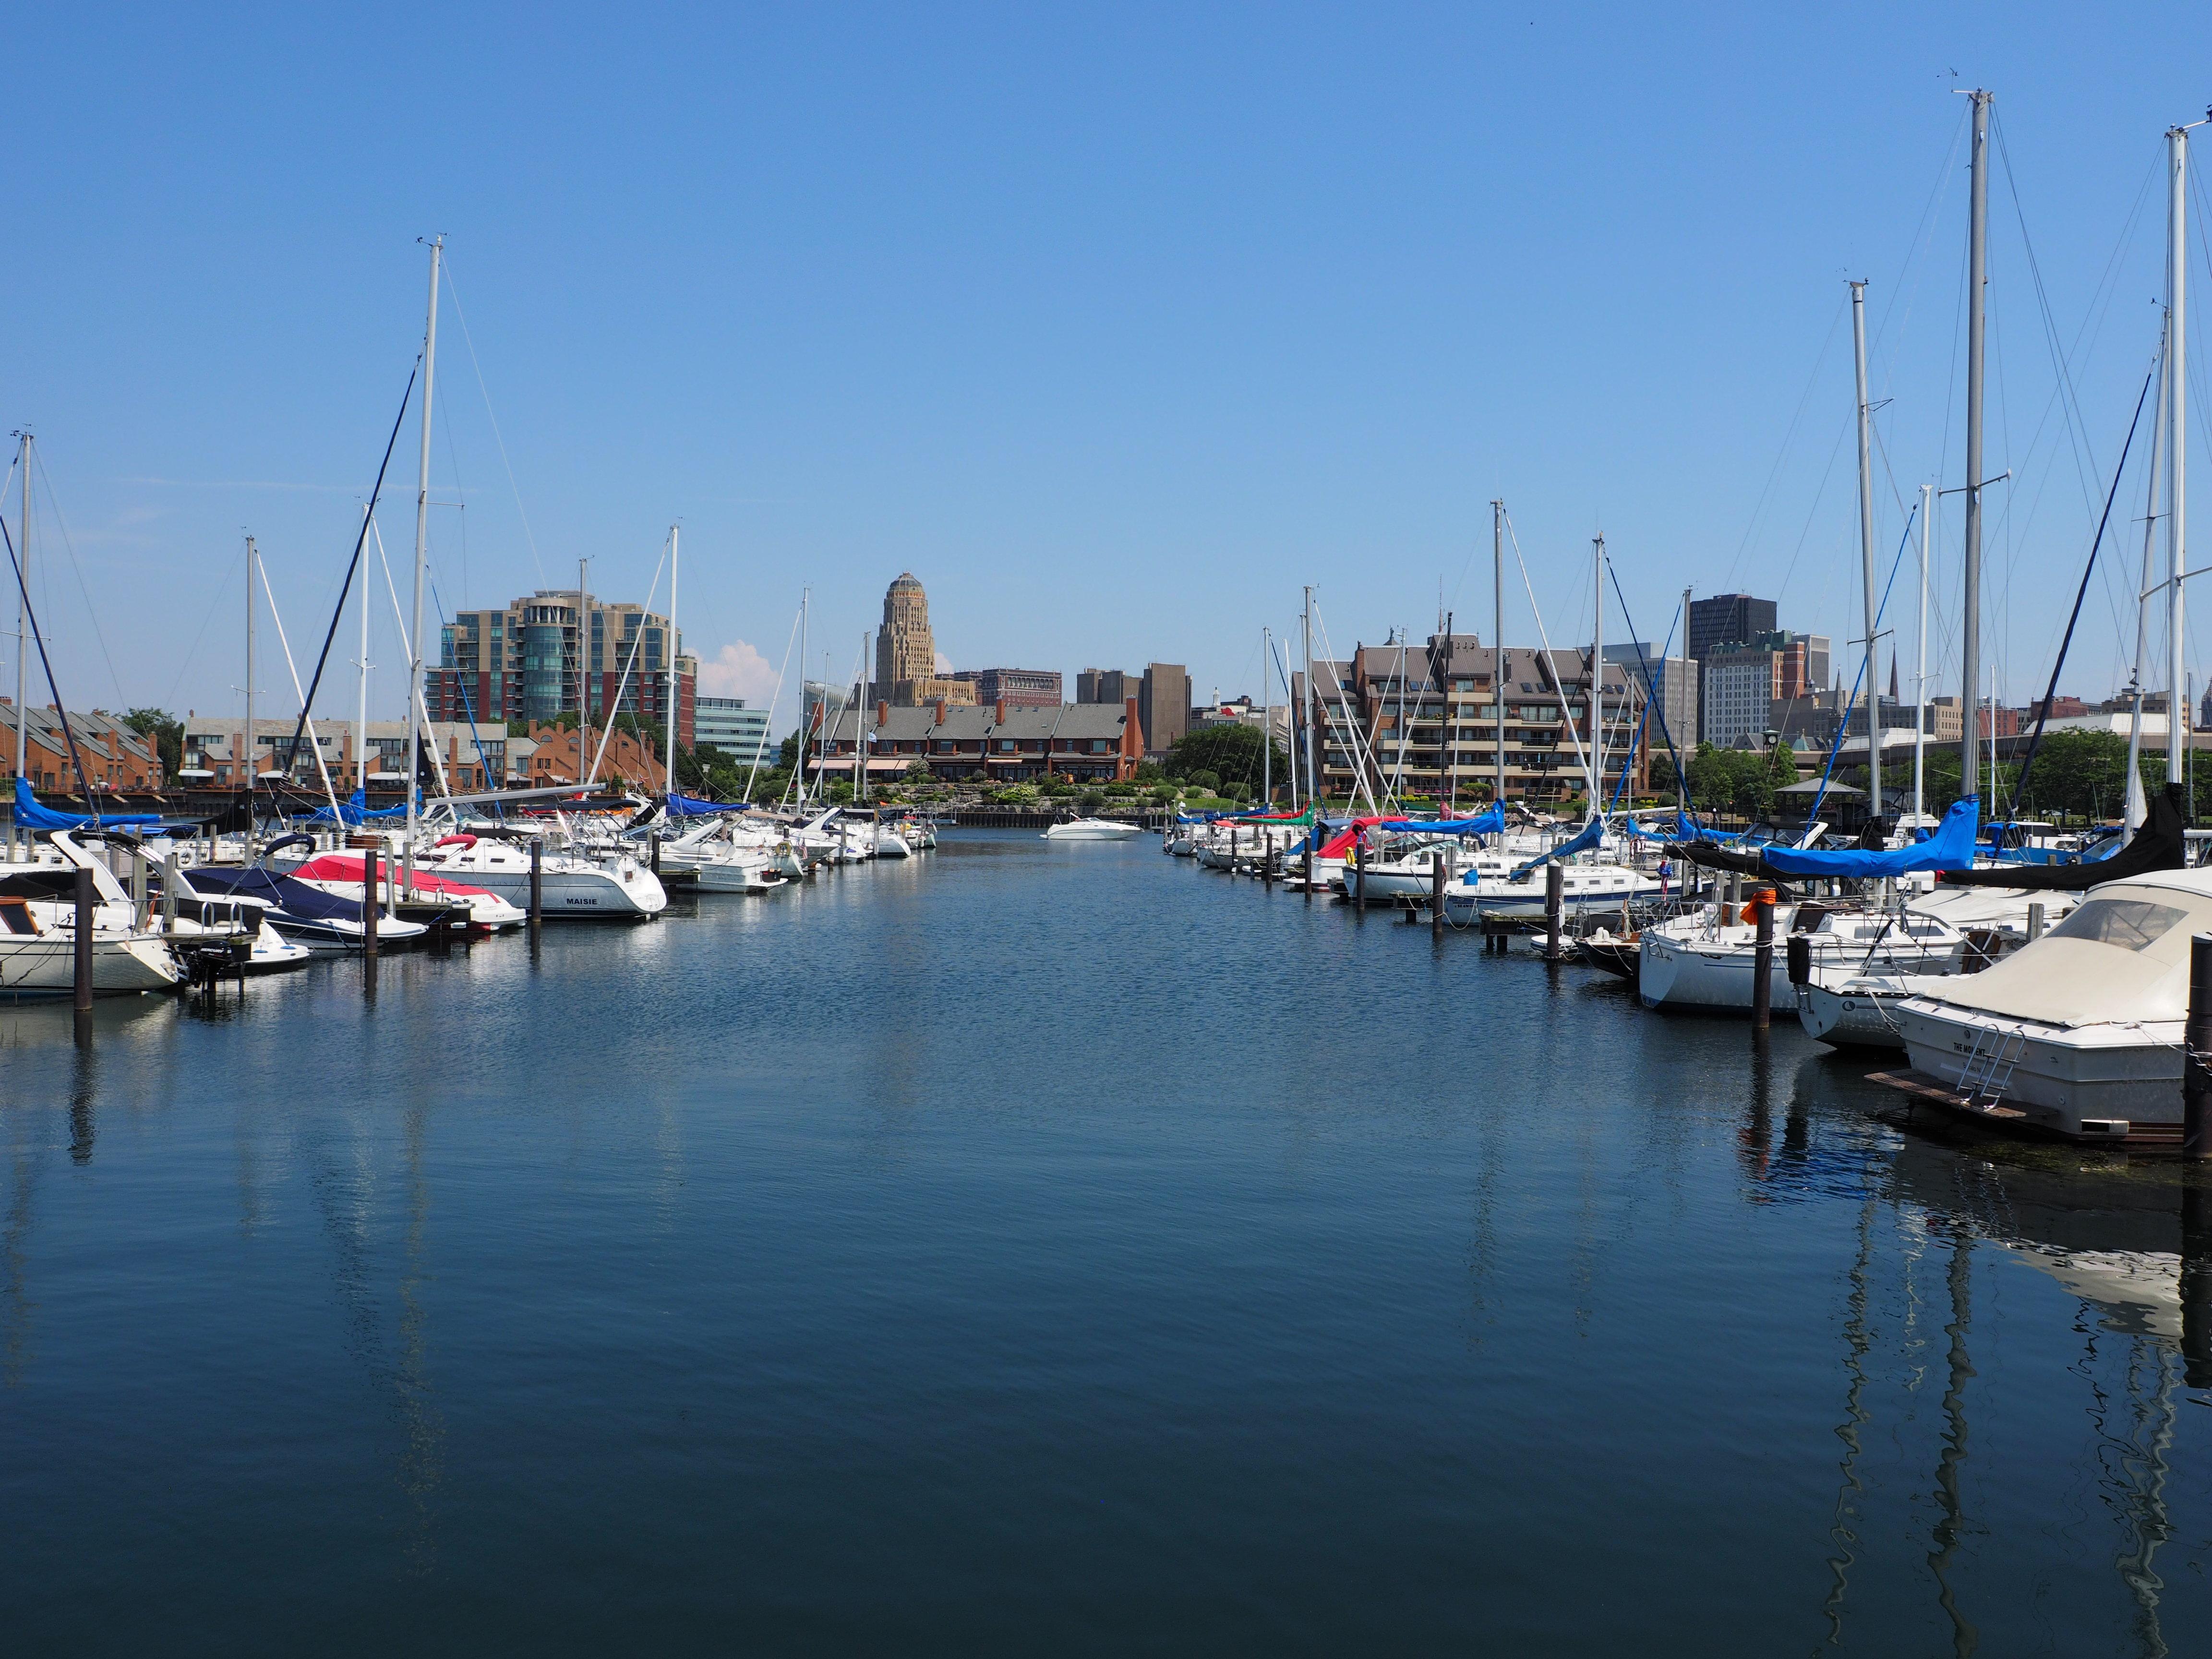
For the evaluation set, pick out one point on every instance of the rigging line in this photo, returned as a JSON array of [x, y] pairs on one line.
[[60, 711], [583, 644], [2069, 398], [1788, 434], [360, 540], [772, 703], [2020, 785], [1873, 701], [192, 650], [54, 503], [1923, 234], [314, 743], [1551, 664], [492, 780], [1812, 512], [528, 537], [1651, 691]]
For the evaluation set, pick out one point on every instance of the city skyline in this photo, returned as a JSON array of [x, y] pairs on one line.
[[1299, 327]]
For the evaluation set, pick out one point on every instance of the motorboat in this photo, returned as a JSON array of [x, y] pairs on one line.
[[2080, 1032], [1092, 830], [324, 922], [343, 874], [620, 888], [38, 937]]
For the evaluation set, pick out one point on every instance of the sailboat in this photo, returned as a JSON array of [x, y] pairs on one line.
[[2081, 1032]]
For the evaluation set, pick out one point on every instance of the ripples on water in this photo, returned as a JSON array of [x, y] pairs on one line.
[[1035, 1248]]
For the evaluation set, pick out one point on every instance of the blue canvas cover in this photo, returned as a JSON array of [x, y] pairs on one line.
[[29, 815], [690, 807], [355, 810], [1489, 822], [1587, 836], [294, 898], [1951, 848]]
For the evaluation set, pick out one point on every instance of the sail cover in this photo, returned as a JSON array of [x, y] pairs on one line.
[[1951, 848], [29, 815], [1589, 835], [690, 807], [1487, 823], [2160, 844], [355, 809]]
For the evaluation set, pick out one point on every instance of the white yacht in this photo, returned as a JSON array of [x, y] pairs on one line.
[[1092, 830], [2079, 1032], [621, 888]]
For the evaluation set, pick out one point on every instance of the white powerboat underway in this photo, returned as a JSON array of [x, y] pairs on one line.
[[1706, 960], [618, 887], [2080, 1032], [1092, 830]]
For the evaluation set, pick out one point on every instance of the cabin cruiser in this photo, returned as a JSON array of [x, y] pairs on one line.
[[324, 922], [2080, 1033], [37, 934], [618, 887]]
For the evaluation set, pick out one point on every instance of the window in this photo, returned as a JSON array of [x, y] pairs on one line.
[[1007, 745], [1100, 746], [2128, 924]]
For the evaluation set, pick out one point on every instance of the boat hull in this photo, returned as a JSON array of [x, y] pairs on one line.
[[2071, 1080], [38, 966]]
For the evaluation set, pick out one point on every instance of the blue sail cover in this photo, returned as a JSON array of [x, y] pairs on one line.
[[1587, 836], [1489, 822], [355, 810], [690, 807], [29, 815], [1951, 848]]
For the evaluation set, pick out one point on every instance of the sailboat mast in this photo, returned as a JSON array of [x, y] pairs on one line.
[[583, 670], [2145, 586], [1266, 718], [669, 782], [1596, 765], [422, 551], [1866, 547], [252, 747], [361, 710], [1970, 632], [1313, 776], [805, 736], [1920, 673], [1685, 742], [23, 618], [2176, 443], [1498, 641]]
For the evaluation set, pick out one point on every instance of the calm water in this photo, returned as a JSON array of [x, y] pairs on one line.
[[1056, 1248]]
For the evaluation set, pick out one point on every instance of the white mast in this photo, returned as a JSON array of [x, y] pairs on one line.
[[421, 548], [360, 713], [1266, 722], [1498, 641], [252, 747], [23, 620], [1866, 547], [1313, 775], [806, 736], [2177, 442], [1920, 673], [1595, 764], [2130, 810], [669, 782], [859, 725], [1970, 634]]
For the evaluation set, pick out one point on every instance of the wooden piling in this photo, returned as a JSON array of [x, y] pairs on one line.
[[1308, 859], [368, 880], [1762, 959], [1555, 902], [84, 904], [2196, 1052], [1437, 895], [536, 883]]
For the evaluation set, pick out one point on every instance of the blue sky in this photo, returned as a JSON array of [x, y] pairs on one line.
[[1116, 325]]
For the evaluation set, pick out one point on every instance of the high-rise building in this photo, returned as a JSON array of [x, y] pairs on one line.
[[1727, 619], [740, 731], [531, 661], [1164, 706], [1106, 685], [1017, 688], [1676, 681], [906, 652]]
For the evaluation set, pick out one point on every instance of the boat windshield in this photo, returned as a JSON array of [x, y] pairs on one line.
[[2128, 924]]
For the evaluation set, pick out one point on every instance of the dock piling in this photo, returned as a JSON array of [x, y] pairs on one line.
[[1437, 895], [1762, 959], [2197, 1051], [84, 902], [536, 885], [1555, 890], [2035, 915], [1309, 869]]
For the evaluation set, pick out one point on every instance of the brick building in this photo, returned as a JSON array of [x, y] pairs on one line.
[[1081, 743], [1017, 688], [116, 757]]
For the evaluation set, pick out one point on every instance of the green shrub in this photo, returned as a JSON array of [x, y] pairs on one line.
[[1089, 804]]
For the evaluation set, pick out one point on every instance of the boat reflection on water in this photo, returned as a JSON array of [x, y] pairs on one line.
[[2132, 1245]]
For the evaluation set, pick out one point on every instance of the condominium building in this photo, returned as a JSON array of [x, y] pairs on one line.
[[531, 661], [1017, 688], [727, 724]]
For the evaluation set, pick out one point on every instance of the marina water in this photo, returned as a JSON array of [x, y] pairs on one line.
[[1056, 1248]]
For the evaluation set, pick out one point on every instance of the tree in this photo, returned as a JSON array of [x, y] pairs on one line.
[[918, 773], [167, 732], [1089, 804], [1232, 752]]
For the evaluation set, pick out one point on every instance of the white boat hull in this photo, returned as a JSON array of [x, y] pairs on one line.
[[44, 965], [2076, 1081]]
